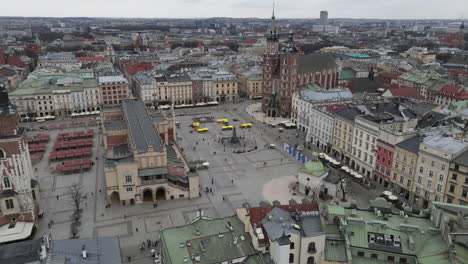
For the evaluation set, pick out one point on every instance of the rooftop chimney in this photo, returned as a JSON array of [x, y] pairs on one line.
[[83, 251]]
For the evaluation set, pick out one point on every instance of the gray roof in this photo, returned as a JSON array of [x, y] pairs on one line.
[[115, 125], [331, 94], [349, 113], [462, 159], [431, 119], [311, 225], [411, 144], [141, 126], [20, 252], [280, 224], [446, 144], [316, 62], [112, 79], [103, 250]]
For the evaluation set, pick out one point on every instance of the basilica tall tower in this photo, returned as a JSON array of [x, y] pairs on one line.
[[271, 68], [18, 190]]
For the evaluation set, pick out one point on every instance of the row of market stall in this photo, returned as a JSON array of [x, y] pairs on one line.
[[72, 166], [40, 138], [73, 144], [75, 135], [71, 153], [40, 147], [68, 125]]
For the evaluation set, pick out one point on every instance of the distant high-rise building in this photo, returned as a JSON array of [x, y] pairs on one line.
[[323, 18]]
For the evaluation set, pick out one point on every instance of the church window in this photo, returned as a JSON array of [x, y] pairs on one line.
[[6, 183], [2, 154], [9, 204]]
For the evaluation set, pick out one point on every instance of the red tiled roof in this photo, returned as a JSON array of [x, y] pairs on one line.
[[456, 92], [390, 75], [133, 69], [258, 213], [92, 59], [13, 61], [406, 92], [335, 108], [250, 41]]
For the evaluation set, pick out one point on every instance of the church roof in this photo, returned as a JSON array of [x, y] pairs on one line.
[[316, 62]]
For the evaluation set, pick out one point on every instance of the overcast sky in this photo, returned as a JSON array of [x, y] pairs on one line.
[[398, 9]]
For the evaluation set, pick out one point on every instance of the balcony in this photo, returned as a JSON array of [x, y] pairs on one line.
[[152, 182]]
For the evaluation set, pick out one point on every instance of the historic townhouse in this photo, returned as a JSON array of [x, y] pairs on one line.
[[456, 190], [435, 155], [366, 131], [114, 89], [343, 129], [404, 166]]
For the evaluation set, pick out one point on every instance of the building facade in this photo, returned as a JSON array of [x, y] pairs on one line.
[[113, 89], [456, 190], [404, 166], [19, 191], [144, 163], [435, 156]]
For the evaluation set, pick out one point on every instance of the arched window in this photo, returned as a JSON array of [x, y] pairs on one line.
[[291, 258], [311, 249], [2, 154], [291, 246], [310, 260], [6, 183]]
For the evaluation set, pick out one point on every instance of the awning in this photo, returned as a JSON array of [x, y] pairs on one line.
[[21, 230], [358, 176], [392, 198], [345, 168]]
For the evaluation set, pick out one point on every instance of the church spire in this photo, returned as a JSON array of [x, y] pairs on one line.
[[273, 15]]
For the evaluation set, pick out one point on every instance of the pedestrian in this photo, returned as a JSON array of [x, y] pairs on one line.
[[232, 181], [57, 197], [211, 190], [100, 191], [129, 259], [212, 181], [136, 229], [125, 216]]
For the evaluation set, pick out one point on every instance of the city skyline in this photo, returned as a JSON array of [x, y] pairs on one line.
[[365, 9]]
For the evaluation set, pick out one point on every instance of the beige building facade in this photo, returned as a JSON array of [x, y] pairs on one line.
[[435, 156], [144, 166], [457, 186]]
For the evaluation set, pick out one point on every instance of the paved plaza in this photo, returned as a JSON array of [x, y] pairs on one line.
[[235, 178]]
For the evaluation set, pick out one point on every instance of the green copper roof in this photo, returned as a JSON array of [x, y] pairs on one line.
[[314, 166], [216, 238], [346, 74], [429, 247]]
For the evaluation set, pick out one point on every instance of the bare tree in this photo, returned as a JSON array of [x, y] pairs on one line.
[[344, 185], [75, 195], [314, 192]]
